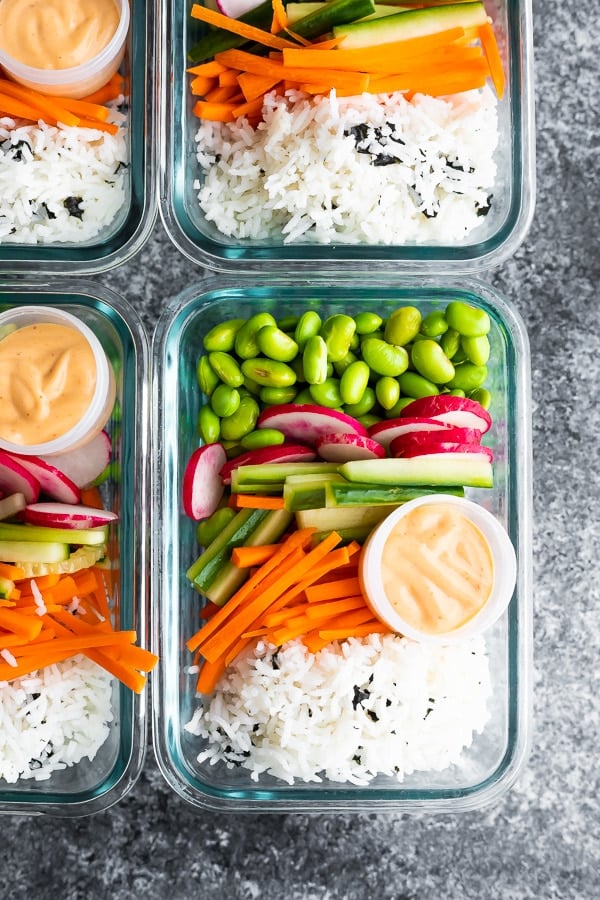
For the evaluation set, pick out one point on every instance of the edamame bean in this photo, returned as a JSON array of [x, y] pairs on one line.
[[450, 343], [304, 397], [477, 349], [262, 437], [276, 344], [298, 367], [342, 364], [245, 340], [288, 323], [207, 377], [431, 362], [481, 396], [469, 321], [367, 322], [222, 336], [457, 393], [269, 372], [354, 342], [354, 381], [314, 360], [384, 358], [387, 391], [327, 393], [337, 332], [243, 421], [434, 324], [252, 387], [403, 325], [364, 405], [309, 325], [212, 527], [274, 395], [468, 377], [368, 420], [225, 400], [227, 368], [396, 410], [209, 425], [414, 385]]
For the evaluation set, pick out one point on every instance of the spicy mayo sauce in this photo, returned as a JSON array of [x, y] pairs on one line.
[[47, 382], [437, 568], [56, 34]]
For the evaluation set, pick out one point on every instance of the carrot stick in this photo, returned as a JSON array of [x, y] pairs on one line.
[[209, 676], [223, 94], [238, 27], [16, 108], [334, 608], [45, 105], [85, 108], [91, 496], [83, 642], [246, 557], [209, 610], [345, 587], [254, 86], [339, 634], [202, 84], [492, 54], [248, 62], [256, 501], [109, 127], [214, 112], [228, 77], [25, 625], [13, 573], [280, 19], [113, 88], [211, 69]]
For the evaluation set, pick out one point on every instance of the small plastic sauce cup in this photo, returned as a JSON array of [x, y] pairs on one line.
[[504, 571], [99, 410]]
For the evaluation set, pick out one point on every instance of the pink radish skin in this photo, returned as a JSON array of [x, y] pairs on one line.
[[422, 438], [67, 515], [52, 481], [236, 8], [202, 486], [346, 447], [459, 411], [83, 465], [445, 447], [16, 479], [282, 453], [386, 432], [307, 424]]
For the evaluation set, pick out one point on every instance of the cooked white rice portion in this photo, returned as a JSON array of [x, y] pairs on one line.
[[381, 705], [53, 718], [373, 169], [59, 184]]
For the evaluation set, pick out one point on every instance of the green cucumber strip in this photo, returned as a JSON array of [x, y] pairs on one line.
[[258, 487], [84, 536], [337, 12], [345, 517], [217, 39], [344, 494], [297, 11], [33, 551], [278, 472], [238, 530], [359, 533], [447, 469], [306, 491]]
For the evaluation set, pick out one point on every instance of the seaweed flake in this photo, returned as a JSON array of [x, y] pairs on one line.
[[275, 660], [359, 696], [366, 135], [483, 209], [372, 715], [17, 149], [49, 214], [73, 207], [458, 166]]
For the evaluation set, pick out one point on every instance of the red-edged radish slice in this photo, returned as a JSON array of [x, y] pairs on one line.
[[16, 479], [84, 464], [66, 515], [385, 432], [236, 8], [445, 447], [422, 438], [307, 424], [282, 453], [344, 447], [202, 486], [11, 505], [53, 482], [459, 411]]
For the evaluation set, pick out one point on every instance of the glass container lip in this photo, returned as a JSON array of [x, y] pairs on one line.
[[340, 798], [442, 259], [69, 293]]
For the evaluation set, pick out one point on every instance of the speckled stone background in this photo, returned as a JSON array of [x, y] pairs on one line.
[[542, 840]]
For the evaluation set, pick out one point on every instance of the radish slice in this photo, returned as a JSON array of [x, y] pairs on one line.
[[345, 447], [445, 435], [236, 8], [52, 481], [16, 479], [459, 411], [66, 515], [386, 432], [202, 487], [84, 464], [307, 423], [445, 447], [282, 453]]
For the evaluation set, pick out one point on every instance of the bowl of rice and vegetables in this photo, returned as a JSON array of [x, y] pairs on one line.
[[351, 469], [348, 130], [72, 662]]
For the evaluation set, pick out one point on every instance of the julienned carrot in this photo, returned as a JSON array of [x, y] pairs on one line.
[[255, 86], [12, 572], [345, 587], [228, 77], [201, 85], [85, 109], [114, 87], [280, 19], [255, 501], [210, 69], [246, 557], [109, 127], [248, 62], [238, 27], [228, 93], [91, 496], [21, 623], [490, 48], [9, 106], [44, 104], [214, 112], [341, 633]]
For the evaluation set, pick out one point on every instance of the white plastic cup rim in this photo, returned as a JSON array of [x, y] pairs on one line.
[[504, 560], [100, 408]]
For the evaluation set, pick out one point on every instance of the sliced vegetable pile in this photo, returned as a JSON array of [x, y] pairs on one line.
[[350, 46], [314, 430]]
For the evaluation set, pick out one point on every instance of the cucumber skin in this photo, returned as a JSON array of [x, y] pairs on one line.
[[351, 517], [240, 528], [408, 25], [434, 469], [41, 534], [349, 494], [277, 472], [217, 40], [33, 551]]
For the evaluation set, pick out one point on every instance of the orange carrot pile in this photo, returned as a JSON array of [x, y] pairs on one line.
[[22, 102], [296, 592], [51, 618], [235, 82]]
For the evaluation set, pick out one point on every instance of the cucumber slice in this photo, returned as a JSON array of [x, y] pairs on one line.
[[274, 487], [344, 494], [448, 469], [87, 536], [342, 518], [33, 551], [204, 569], [82, 558], [297, 11], [359, 534], [306, 491], [278, 472], [409, 25]]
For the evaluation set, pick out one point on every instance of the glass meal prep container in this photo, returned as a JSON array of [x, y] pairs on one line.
[[497, 237], [490, 765], [93, 785], [127, 231]]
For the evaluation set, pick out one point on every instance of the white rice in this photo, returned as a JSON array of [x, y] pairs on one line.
[[59, 184], [53, 718], [381, 705], [302, 174]]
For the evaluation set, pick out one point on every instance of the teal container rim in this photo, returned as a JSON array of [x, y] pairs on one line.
[[126, 240], [133, 546], [240, 257], [203, 796]]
